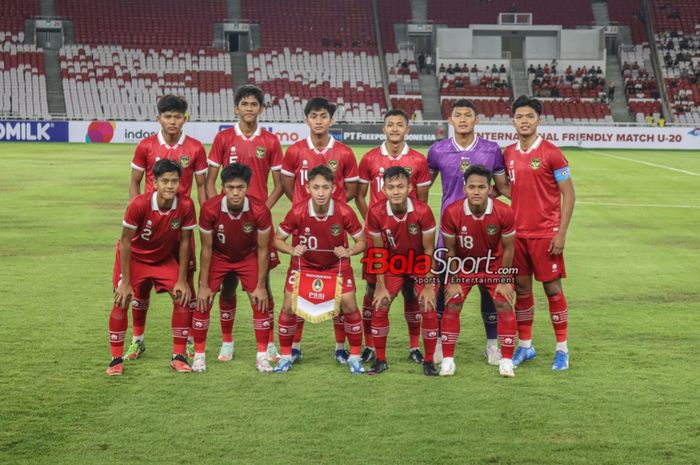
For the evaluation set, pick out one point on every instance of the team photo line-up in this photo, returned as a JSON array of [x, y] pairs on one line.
[[479, 241]]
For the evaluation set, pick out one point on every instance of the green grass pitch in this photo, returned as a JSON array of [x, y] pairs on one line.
[[632, 395]]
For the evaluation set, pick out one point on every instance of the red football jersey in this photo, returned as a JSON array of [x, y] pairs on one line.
[[475, 236], [235, 234], [377, 160], [188, 152], [303, 156], [157, 231], [401, 233], [536, 199], [324, 233], [261, 151]]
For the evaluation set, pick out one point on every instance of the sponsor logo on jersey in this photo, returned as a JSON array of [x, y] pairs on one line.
[[185, 161], [317, 285], [336, 229], [464, 229], [413, 228], [248, 227], [175, 223], [535, 163], [464, 165], [333, 164], [260, 152], [491, 229], [233, 150]]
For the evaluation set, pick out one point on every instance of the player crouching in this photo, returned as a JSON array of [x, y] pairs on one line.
[[401, 224], [152, 225], [480, 233], [235, 233], [320, 227]]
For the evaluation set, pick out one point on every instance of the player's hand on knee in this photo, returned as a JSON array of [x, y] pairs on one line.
[[382, 298], [205, 298], [453, 291], [259, 297], [507, 291], [123, 294], [427, 299], [182, 292]]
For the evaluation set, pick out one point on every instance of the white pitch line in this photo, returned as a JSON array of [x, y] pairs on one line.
[[640, 205], [655, 165]]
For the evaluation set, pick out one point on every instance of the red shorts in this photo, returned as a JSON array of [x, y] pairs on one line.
[[467, 287], [144, 276], [396, 283], [345, 271], [246, 270], [531, 257]]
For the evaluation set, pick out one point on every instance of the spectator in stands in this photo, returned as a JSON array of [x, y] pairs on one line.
[[650, 119], [450, 70], [555, 92], [611, 91], [459, 84], [442, 68], [531, 69], [465, 68], [539, 72], [421, 63], [513, 8], [475, 69], [429, 62], [569, 70], [494, 69], [404, 64], [502, 69]]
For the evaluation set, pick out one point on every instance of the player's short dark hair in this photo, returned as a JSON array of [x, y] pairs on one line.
[[396, 172], [321, 170], [478, 170], [236, 171], [165, 165], [525, 101], [396, 112], [248, 90], [319, 103], [172, 102], [463, 103]]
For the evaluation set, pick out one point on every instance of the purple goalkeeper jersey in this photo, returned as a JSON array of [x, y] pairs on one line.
[[451, 161]]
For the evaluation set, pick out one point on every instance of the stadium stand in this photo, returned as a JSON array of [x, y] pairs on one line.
[[681, 16], [474, 81], [108, 81], [679, 57], [640, 84], [22, 78], [581, 83], [134, 23], [404, 85], [489, 110], [464, 13], [337, 58], [392, 12], [629, 13]]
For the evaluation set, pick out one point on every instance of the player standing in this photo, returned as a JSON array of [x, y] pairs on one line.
[[169, 143], [401, 224], [450, 159], [318, 226], [480, 232], [235, 233], [543, 200], [320, 148], [249, 144], [393, 152], [152, 225]]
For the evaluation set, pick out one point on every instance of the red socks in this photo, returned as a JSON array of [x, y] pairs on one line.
[[227, 314], [380, 331], [353, 330], [525, 314], [200, 327], [299, 330], [118, 322], [450, 331], [271, 318], [139, 310], [339, 329], [367, 320], [430, 334], [559, 315], [181, 320], [261, 325], [507, 328], [411, 312], [287, 328]]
